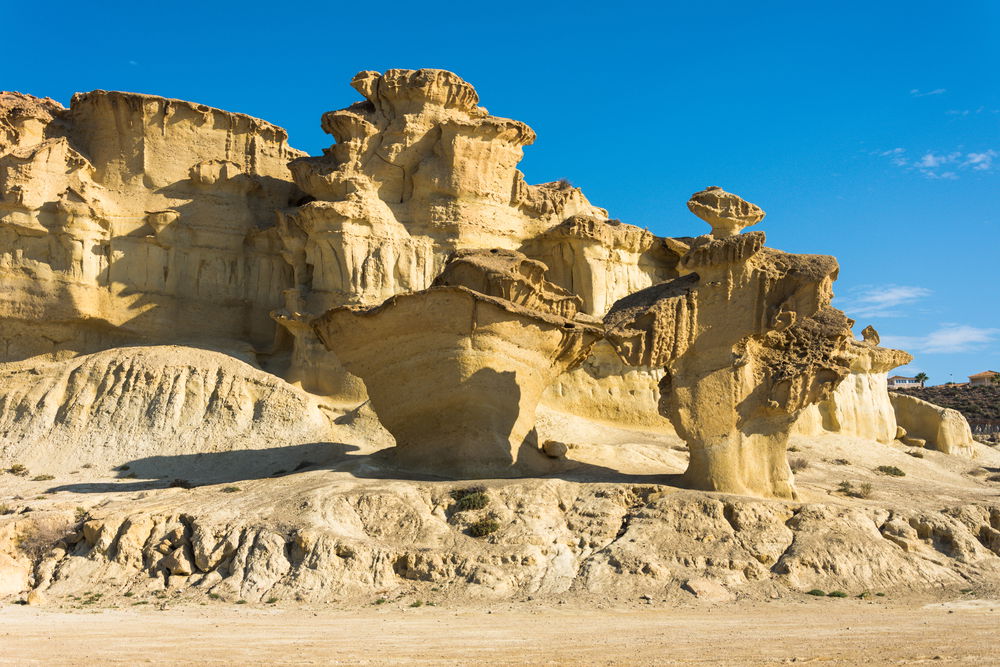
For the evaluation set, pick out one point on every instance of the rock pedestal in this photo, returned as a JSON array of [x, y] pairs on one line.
[[747, 338], [455, 375]]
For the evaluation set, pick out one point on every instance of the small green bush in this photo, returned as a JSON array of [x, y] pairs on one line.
[[472, 501], [241, 602], [863, 490], [380, 601], [230, 489], [892, 471], [272, 600], [18, 469], [87, 465], [484, 527], [416, 603], [42, 478], [915, 453], [458, 494], [128, 594], [836, 594], [214, 596], [817, 592], [841, 462], [6, 509]]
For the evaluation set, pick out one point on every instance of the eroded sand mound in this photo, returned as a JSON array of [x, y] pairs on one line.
[[152, 408]]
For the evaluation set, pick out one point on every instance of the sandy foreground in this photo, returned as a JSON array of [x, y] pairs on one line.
[[825, 631]]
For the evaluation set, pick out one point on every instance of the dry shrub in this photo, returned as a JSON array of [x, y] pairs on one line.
[[40, 538], [798, 464]]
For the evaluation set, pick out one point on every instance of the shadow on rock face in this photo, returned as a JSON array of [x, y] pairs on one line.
[[192, 470]]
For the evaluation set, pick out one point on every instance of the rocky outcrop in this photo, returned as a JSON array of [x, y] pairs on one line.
[[420, 171], [137, 217], [747, 338], [943, 429], [455, 371], [156, 410], [860, 405], [352, 545]]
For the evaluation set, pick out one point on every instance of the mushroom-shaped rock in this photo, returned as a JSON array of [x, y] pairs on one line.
[[727, 213], [454, 374], [748, 339]]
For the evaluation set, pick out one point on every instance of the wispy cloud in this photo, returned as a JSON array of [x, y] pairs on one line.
[[884, 301], [946, 339], [971, 112], [133, 63], [942, 165], [915, 92]]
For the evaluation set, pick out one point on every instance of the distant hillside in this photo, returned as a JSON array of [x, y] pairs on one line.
[[982, 402]]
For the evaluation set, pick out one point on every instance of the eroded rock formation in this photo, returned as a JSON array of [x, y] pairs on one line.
[[136, 218], [860, 405], [932, 426], [455, 371], [131, 219], [748, 339]]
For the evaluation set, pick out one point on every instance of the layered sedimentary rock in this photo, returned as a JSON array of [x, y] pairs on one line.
[[157, 408], [419, 171], [456, 371], [747, 338], [860, 405], [943, 429], [132, 217]]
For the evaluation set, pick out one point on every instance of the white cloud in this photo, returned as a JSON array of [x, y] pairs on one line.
[[942, 166], [980, 161], [946, 339], [884, 301], [915, 92]]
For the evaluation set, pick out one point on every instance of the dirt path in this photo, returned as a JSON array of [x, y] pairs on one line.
[[827, 631]]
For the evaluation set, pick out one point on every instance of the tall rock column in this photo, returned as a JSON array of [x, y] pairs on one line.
[[747, 337]]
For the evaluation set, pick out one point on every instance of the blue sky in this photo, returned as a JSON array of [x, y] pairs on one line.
[[866, 130]]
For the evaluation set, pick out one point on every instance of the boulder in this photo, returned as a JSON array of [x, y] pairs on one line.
[[943, 429]]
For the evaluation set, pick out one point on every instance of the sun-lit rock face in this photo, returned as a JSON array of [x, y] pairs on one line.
[[130, 218], [747, 338], [860, 405], [418, 172], [456, 371], [133, 217]]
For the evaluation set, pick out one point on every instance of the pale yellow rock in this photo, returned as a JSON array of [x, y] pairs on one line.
[[860, 405], [747, 338], [132, 218], [456, 374], [943, 429]]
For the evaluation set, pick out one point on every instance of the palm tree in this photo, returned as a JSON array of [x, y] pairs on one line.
[[921, 377]]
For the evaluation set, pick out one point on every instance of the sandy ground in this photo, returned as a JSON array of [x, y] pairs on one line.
[[838, 632]]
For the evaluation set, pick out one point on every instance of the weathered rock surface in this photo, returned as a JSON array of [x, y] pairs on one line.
[[860, 405], [748, 339], [351, 542], [943, 429], [188, 301], [455, 374], [136, 218], [157, 408]]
